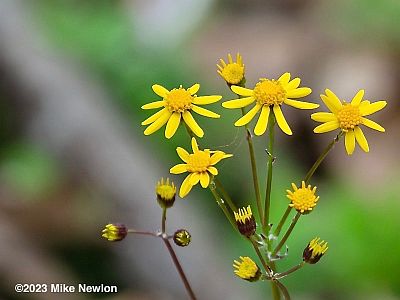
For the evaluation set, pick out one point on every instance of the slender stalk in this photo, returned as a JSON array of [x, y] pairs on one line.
[[143, 232], [282, 221], [260, 256], [163, 219], [287, 234], [271, 137], [328, 148], [226, 196], [284, 290], [179, 269], [291, 270], [222, 205]]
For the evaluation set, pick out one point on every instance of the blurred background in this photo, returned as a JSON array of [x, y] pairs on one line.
[[73, 76]]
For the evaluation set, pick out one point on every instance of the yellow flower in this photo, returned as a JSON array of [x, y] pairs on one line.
[[270, 95], [314, 251], [178, 103], [246, 269], [245, 221], [200, 165], [348, 117], [233, 72], [165, 192], [303, 199], [182, 237], [114, 232]]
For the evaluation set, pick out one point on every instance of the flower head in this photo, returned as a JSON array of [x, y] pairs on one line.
[[348, 117], [232, 72], [165, 191], [246, 269], [314, 251], [245, 221], [114, 232], [303, 198], [182, 238], [176, 104], [200, 164], [270, 95]]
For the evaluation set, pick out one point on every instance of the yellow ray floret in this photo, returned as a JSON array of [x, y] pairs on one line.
[[232, 72], [244, 214], [303, 199], [246, 269], [348, 117], [269, 95], [200, 164], [314, 251], [177, 104]]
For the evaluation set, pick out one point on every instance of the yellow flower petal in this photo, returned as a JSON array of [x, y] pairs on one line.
[[248, 116], [371, 108], [195, 146], [262, 122], [284, 79], [178, 169], [212, 170], [204, 179], [372, 124], [195, 178], [331, 101], [280, 119], [361, 140], [357, 98], [158, 123], [202, 100], [183, 154], [301, 104], [350, 142], [326, 127], [190, 121], [241, 91], [238, 103], [154, 117], [323, 117], [293, 84], [186, 187], [156, 104], [205, 112], [160, 90], [216, 157], [172, 125], [194, 89], [299, 92]]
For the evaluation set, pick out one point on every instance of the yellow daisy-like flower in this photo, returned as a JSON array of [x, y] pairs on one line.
[[348, 117], [270, 95], [178, 103], [200, 165], [165, 191], [303, 198], [232, 72], [245, 221], [246, 269], [314, 251]]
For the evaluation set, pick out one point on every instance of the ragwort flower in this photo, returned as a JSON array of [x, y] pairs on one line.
[[303, 199], [232, 72], [270, 95], [176, 104], [314, 251], [246, 269], [200, 165], [348, 117]]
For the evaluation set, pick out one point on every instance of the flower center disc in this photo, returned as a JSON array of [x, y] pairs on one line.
[[233, 73], [179, 100], [269, 92], [198, 162], [349, 116], [303, 199]]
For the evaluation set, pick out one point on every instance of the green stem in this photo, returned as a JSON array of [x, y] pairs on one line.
[[163, 219], [291, 270], [282, 221], [225, 195], [271, 137], [260, 256], [287, 234], [284, 290], [328, 148], [222, 205], [249, 139], [275, 291]]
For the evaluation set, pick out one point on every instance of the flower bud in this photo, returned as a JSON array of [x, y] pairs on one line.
[[114, 232], [182, 238], [314, 251]]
